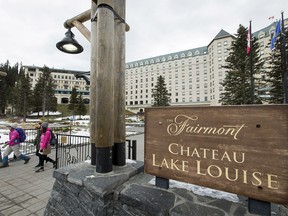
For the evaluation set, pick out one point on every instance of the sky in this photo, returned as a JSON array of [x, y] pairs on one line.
[[30, 29]]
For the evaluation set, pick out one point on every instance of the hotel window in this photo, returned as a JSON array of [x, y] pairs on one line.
[[225, 43], [219, 44]]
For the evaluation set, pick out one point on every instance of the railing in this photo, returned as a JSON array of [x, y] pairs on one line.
[[28, 147], [70, 149], [132, 149]]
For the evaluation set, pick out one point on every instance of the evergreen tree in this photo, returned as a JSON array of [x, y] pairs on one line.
[[81, 108], [7, 84], [37, 96], [22, 94], [237, 82], [44, 92], [275, 72], [160, 93], [73, 102]]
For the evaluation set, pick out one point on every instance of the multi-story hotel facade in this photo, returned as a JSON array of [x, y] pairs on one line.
[[192, 77], [65, 81]]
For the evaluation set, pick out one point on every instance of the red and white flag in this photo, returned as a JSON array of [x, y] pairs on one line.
[[249, 40]]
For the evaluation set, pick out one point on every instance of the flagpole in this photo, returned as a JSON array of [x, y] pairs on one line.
[[251, 65], [285, 76]]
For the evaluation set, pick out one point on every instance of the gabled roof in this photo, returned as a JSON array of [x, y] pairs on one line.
[[220, 35]]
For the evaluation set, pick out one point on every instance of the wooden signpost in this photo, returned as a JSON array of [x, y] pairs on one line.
[[238, 149]]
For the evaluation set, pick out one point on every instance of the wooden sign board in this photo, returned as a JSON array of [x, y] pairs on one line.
[[238, 149]]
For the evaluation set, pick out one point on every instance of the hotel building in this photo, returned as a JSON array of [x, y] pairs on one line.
[[192, 77]]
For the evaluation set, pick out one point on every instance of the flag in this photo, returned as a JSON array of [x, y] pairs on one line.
[[277, 31], [249, 39], [272, 17]]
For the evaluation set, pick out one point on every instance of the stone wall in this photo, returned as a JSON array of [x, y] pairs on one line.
[[79, 190]]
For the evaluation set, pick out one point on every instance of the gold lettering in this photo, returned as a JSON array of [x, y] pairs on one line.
[[204, 152], [185, 166], [199, 168], [215, 154], [270, 181], [244, 176], [185, 150], [258, 180], [227, 174], [154, 163], [217, 168], [235, 135], [235, 157], [225, 155], [170, 149], [164, 163], [182, 123], [173, 164], [195, 152]]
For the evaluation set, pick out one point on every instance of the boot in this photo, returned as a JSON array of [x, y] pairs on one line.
[[41, 169], [25, 158], [4, 162]]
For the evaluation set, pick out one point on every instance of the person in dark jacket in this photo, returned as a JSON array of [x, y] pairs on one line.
[[41, 142]]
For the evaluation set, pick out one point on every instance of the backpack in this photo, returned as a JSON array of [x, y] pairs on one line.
[[53, 140], [22, 134]]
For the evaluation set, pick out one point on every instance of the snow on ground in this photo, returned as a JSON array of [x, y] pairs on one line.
[[202, 191]]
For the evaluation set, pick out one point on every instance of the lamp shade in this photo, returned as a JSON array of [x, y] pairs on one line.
[[69, 45]]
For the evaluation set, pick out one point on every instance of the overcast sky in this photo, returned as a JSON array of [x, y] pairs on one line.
[[30, 29]]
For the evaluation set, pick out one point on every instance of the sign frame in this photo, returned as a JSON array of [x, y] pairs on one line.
[[237, 149]]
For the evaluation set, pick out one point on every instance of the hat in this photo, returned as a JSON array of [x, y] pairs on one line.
[[12, 125], [44, 124]]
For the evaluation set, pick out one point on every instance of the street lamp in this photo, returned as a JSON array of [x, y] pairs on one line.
[[107, 86], [69, 45]]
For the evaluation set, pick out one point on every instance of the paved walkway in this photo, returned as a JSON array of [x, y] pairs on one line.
[[22, 191]]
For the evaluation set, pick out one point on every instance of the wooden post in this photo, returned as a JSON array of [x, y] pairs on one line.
[[104, 48], [119, 154], [93, 76]]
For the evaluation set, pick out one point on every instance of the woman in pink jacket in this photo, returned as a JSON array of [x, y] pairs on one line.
[[13, 145], [44, 142]]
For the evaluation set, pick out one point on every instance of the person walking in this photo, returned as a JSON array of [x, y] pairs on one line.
[[13, 146], [44, 147]]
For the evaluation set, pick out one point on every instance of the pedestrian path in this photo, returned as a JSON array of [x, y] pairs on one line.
[[22, 191]]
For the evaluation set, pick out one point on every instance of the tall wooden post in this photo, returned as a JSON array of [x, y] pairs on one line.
[[103, 53], [119, 154], [93, 76]]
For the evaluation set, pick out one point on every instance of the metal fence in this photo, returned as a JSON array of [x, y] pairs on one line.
[[70, 149], [28, 147]]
